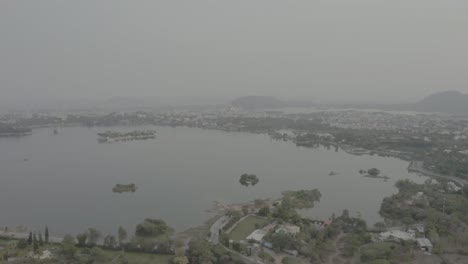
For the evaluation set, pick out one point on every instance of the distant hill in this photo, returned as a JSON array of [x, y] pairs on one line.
[[449, 102], [266, 102], [257, 102]]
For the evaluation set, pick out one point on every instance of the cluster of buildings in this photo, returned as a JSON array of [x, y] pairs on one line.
[[415, 234]]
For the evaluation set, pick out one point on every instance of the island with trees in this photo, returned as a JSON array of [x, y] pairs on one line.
[[110, 136], [248, 179], [120, 188], [13, 131]]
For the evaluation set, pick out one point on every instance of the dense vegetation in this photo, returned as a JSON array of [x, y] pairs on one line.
[[248, 179]]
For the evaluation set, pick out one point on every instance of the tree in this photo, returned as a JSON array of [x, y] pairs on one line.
[[41, 240], [303, 198], [35, 242], [153, 228], [81, 238], [110, 242], [46, 235], [374, 172], [199, 251], [122, 235], [98, 255], [93, 236], [282, 241], [264, 211], [236, 246], [68, 246], [22, 244], [245, 210], [30, 238], [248, 179]]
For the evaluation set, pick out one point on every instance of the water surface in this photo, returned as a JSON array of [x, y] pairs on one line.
[[65, 180]]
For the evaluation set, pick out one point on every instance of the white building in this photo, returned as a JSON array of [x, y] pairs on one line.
[[424, 244], [396, 235], [288, 229], [257, 235]]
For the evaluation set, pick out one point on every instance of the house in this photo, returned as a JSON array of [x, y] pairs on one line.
[[424, 244], [396, 235], [257, 235], [268, 245], [326, 223], [288, 229]]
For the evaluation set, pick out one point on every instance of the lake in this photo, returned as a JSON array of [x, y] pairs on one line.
[[65, 181]]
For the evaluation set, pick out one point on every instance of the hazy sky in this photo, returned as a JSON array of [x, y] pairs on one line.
[[398, 50]]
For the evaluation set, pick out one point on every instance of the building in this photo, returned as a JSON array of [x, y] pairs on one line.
[[257, 235], [396, 235], [424, 244], [288, 229]]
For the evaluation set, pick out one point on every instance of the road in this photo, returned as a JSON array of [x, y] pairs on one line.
[[418, 166], [216, 227]]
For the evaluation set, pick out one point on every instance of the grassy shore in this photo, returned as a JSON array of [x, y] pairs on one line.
[[246, 227]]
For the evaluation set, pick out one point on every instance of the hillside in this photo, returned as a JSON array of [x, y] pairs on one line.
[[257, 102], [449, 101]]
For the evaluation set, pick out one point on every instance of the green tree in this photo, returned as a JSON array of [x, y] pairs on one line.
[[245, 210], [374, 172], [122, 234], [93, 236], [282, 241], [82, 238], [248, 179], [98, 255], [46, 235], [199, 252], [41, 240], [22, 244], [153, 228], [110, 242], [68, 247], [35, 243], [264, 211], [30, 238]]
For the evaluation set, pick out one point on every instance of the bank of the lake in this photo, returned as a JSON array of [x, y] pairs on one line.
[[65, 181]]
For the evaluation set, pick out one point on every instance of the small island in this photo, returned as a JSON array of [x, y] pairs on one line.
[[110, 136], [248, 179], [120, 188], [12, 131], [374, 173]]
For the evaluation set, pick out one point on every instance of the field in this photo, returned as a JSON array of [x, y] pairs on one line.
[[246, 227]]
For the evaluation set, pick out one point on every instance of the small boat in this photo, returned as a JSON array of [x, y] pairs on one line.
[[332, 173]]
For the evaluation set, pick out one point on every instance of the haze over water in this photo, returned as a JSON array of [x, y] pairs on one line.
[[65, 181]]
